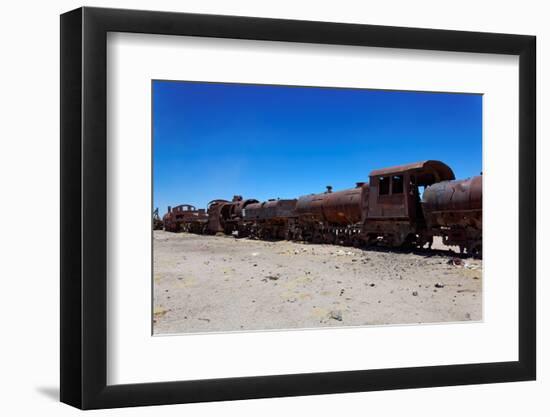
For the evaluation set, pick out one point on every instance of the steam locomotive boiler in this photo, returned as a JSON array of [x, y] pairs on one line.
[[330, 217], [227, 216], [453, 210], [271, 219]]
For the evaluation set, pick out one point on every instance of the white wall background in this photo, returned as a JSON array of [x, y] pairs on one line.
[[29, 211]]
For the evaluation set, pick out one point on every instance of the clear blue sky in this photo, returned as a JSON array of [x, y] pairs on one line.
[[214, 140]]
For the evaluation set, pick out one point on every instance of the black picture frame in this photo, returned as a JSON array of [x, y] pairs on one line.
[[84, 207]]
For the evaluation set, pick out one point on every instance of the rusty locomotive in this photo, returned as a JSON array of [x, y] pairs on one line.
[[185, 218], [389, 210]]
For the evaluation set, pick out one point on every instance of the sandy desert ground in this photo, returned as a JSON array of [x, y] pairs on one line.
[[219, 283]]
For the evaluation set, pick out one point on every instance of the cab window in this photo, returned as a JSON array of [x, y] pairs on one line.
[[397, 184], [383, 186]]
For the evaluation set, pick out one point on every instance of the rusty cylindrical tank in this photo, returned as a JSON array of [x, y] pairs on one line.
[[453, 210], [340, 207], [269, 210], [252, 212], [452, 196], [238, 206]]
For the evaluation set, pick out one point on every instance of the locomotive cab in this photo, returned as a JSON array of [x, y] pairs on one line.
[[394, 211]]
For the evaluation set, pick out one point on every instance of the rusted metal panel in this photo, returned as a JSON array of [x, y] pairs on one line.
[[394, 191], [394, 213], [392, 233], [426, 172], [310, 207], [340, 207], [238, 205], [454, 195], [343, 207], [386, 202], [268, 220], [270, 210], [453, 210], [214, 209], [225, 216], [179, 218]]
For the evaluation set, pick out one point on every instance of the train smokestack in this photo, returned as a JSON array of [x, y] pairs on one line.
[[359, 184], [329, 188], [169, 209]]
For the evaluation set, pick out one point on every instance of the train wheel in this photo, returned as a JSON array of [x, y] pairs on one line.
[[317, 238], [411, 242], [328, 238], [476, 250]]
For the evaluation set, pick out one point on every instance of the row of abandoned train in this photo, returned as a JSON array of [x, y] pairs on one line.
[[400, 206]]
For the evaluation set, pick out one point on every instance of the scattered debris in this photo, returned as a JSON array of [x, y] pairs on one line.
[[159, 312], [455, 262], [336, 315], [284, 287]]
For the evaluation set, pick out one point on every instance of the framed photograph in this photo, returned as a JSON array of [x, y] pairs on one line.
[[257, 208]]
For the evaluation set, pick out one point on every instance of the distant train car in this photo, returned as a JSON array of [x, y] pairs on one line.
[[453, 210], [185, 218], [270, 219], [226, 216]]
